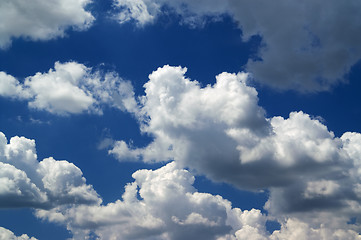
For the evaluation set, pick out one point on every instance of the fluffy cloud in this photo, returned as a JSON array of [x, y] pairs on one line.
[[25, 182], [10, 86], [9, 235], [307, 46], [163, 204], [37, 20], [221, 132], [294, 229], [148, 211], [70, 88], [175, 109]]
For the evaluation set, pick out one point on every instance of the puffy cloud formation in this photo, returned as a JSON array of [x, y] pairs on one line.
[[70, 88], [25, 182], [294, 229], [6, 234], [10, 86], [163, 204], [306, 45], [37, 20], [220, 131], [160, 204]]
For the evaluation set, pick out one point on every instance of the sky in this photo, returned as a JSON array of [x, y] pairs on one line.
[[167, 120]]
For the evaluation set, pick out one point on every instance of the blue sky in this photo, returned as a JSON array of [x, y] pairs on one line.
[[157, 119]]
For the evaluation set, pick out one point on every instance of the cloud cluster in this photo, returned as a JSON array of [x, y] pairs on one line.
[[163, 204], [26, 182], [37, 20], [220, 131], [307, 46], [6, 234], [69, 88], [159, 204]]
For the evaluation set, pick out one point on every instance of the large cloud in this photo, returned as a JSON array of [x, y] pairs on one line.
[[163, 204], [221, 132], [25, 182], [70, 88], [306, 45], [160, 204], [37, 20], [6, 234]]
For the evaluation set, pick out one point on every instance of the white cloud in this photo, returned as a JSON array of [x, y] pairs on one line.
[[58, 91], [221, 132], [163, 204], [148, 211], [70, 88], [294, 229], [37, 20], [10, 86], [175, 109], [306, 45], [25, 182], [6, 234]]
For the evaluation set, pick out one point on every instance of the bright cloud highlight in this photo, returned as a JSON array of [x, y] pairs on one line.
[[163, 204], [220, 131], [70, 88], [26, 182]]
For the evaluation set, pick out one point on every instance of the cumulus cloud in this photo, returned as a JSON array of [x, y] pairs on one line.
[[148, 211], [26, 182], [221, 132], [294, 229], [306, 46], [163, 204], [70, 88], [37, 20], [6, 234], [10, 86]]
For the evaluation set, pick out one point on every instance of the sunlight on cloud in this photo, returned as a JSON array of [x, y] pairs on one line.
[[163, 204], [26, 182], [168, 207], [310, 177], [70, 88], [220, 131]]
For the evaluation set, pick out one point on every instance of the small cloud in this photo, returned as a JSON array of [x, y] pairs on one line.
[[38, 121], [105, 143]]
